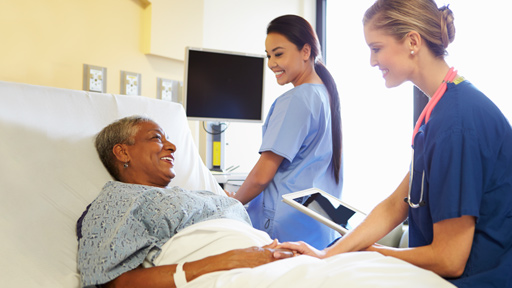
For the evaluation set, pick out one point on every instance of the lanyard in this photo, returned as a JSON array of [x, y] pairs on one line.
[[425, 114]]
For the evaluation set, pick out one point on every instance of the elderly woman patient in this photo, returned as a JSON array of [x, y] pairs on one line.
[[134, 216]]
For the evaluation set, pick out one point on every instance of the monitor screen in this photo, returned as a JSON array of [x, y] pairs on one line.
[[223, 86]]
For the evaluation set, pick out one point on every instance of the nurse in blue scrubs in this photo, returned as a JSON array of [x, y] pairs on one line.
[[458, 193], [301, 145]]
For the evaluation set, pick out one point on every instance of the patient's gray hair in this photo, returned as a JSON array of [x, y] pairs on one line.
[[121, 131]]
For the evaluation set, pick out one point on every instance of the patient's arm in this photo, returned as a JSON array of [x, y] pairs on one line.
[[162, 276], [259, 177]]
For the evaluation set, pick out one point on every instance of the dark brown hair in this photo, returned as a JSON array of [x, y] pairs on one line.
[[298, 31]]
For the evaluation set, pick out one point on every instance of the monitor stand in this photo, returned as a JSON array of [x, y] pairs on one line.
[[215, 146]]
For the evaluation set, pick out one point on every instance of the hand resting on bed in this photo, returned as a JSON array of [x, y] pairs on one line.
[[162, 276]]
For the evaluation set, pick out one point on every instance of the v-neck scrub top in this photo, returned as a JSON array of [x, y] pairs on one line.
[[298, 128], [465, 150]]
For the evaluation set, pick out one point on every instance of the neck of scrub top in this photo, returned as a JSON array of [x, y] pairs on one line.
[[425, 114]]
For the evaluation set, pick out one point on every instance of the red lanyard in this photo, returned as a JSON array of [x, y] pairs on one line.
[[425, 114]]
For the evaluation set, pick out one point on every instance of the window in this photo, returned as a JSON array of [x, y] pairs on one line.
[[377, 121]]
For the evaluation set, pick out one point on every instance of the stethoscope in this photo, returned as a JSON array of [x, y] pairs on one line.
[[425, 116]]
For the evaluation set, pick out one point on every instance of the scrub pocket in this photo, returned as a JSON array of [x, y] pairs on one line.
[[268, 221]]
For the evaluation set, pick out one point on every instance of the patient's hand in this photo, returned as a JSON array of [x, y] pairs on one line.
[[302, 248], [252, 257]]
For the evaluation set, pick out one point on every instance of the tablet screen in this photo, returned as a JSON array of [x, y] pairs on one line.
[[340, 214]]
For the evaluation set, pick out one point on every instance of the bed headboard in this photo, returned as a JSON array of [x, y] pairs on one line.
[[49, 172]]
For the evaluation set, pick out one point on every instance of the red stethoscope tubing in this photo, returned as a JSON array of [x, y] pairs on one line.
[[425, 114]]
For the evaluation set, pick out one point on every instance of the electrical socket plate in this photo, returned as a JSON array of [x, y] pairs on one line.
[[167, 89], [130, 83], [95, 78]]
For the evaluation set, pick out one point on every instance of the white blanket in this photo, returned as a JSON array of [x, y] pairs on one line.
[[358, 269]]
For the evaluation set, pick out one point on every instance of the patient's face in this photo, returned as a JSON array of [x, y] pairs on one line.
[[151, 157]]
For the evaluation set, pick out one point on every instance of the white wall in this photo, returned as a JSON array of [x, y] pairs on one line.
[[240, 25], [478, 51], [376, 120]]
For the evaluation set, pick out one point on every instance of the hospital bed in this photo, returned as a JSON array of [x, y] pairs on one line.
[[49, 173]]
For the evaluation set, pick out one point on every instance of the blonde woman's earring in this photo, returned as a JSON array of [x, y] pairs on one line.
[[412, 52], [125, 165]]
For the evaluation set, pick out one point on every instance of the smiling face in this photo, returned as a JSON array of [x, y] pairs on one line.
[[289, 64], [391, 56], [151, 157]]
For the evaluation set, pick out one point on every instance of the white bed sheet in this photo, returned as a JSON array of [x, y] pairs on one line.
[[357, 269]]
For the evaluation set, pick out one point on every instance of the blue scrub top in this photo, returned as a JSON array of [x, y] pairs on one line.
[[298, 128], [466, 152]]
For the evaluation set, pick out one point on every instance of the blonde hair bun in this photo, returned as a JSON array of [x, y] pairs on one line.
[[447, 26]]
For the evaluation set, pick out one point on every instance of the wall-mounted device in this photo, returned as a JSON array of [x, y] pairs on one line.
[[130, 83], [168, 90], [95, 78], [222, 86]]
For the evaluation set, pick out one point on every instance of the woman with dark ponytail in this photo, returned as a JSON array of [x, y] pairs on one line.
[[301, 137]]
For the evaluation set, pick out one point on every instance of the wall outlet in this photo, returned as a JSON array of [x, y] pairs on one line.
[[167, 89], [95, 78], [130, 83]]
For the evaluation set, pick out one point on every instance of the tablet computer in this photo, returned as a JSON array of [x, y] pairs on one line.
[[325, 208]]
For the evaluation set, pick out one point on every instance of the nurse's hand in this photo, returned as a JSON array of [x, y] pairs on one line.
[[302, 248], [277, 252], [282, 253], [230, 194]]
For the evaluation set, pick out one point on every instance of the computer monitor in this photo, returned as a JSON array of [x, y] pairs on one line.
[[222, 86]]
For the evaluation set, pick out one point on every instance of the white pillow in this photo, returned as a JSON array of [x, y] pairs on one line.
[[50, 172]]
